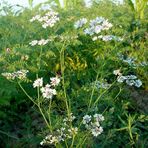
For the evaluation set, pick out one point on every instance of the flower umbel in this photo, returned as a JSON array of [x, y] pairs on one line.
[[21, 75], [93, 124], [54, 81], [38, 82]]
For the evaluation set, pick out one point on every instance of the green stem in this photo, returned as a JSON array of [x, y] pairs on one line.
[[73, 138], [114, 100], [27, 93], [94, 86], [37, 104], [103, 93], [93, 91], [66, 144], [2, 132], [63, 77], [49, 112], [82, 141], [44, 117], [40, 57]]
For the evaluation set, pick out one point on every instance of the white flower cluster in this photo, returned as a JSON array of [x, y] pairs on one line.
[[93, 124], [80, 23], [48, 91], [131, 61], [88, 3], [66, 132], [107, 38], [48, 20], [69, 119], [39, 42], [21, 74], [97, 25], [130, 80], [38, 82], [61, 134], [103, 85]]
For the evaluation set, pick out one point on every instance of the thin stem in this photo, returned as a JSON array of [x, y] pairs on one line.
[[114, 100], [94, 88], [44, 117], [66, 144], [93, 91], [9, 135], [49, 112], [81, 143], [27, 93], [103, 93], [63, 77], [37, 104], [38, 90], [40, 56], [73, 138]]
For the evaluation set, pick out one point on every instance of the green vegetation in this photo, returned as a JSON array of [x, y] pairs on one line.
[[76, 75]]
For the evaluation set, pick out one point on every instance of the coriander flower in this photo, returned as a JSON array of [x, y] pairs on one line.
[[21, 74], [89, 31], [88, 3], [38, 82], [49, 19], [86, 119], [99, 19], [106, 25], [130, 82], [43, 42], [96, 131], [33, 43], [80, 23], [100, 37], [131, 77], [107, 38], [121, 79], [94, 38], [94, 124], [55, 81], [117, 72], [69, 119], [37, 17], [98, 29], [73, 130], [48, 92], [8, 76], [103, 85], [99, 117], [138, 83], [54, 140]]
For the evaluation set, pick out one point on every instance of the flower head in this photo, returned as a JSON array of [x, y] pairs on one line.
[[117, 72], [73, 131], [21, 74], [48, 92], [80, 23], [38, 82], [138, 83], [54, 81], [33, 43], [96, 131], [99, 117], [86, 119], [121, 79]]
